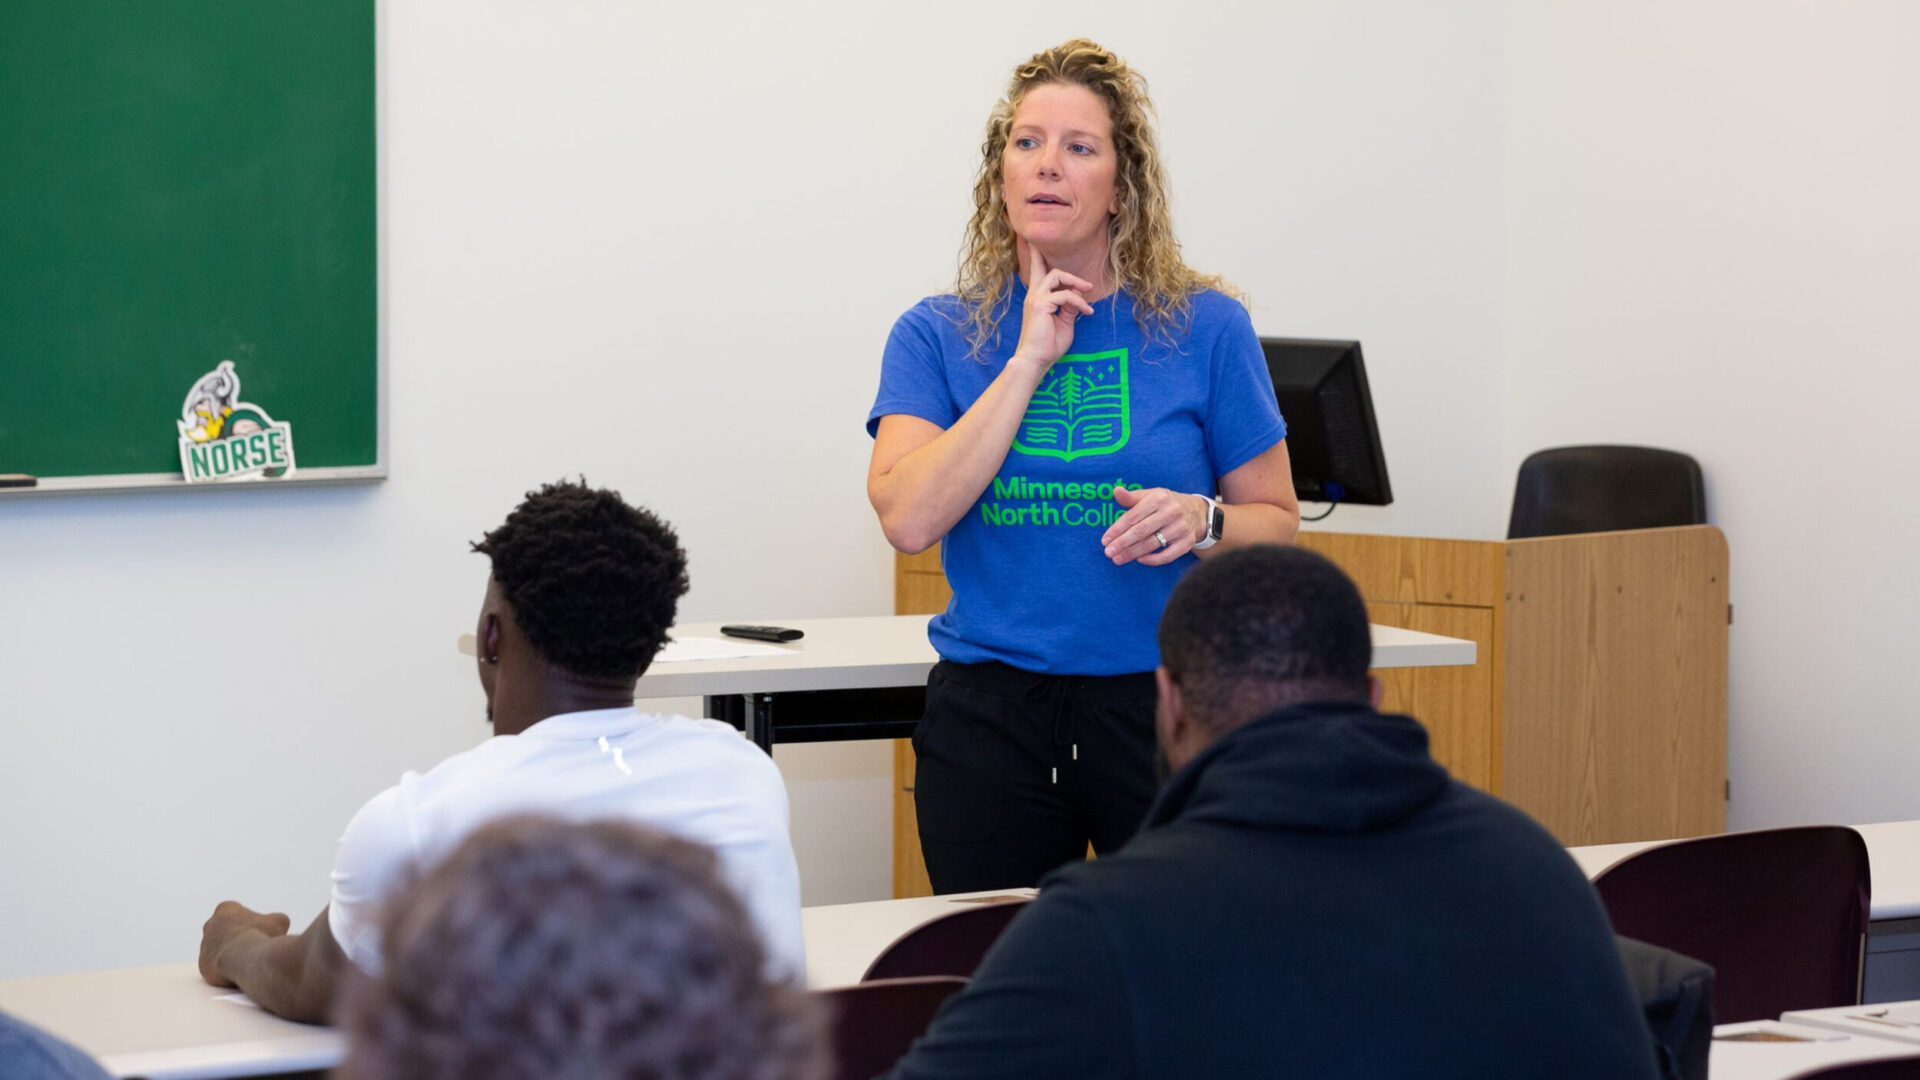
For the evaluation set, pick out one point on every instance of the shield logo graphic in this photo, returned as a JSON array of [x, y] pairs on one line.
[[1083, 408]]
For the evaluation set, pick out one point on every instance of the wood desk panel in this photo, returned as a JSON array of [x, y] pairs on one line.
[[1417, 569], [1605, 662], [1616, 685], [1452, 702]]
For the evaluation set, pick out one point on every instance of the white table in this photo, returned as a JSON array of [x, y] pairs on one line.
[[164, 1023], [1815, 1048], [864, 677], [1898, 1021]]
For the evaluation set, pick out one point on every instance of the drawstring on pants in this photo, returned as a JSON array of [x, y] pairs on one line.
[[1060, 724]]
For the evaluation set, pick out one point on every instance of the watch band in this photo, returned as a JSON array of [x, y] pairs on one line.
[[1216, 522]]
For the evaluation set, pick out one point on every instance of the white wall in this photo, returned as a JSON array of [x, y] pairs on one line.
[[662, 245], [1713, 244], [1341, 162]]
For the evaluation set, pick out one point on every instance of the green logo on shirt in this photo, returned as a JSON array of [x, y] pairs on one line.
[[1083, 408]]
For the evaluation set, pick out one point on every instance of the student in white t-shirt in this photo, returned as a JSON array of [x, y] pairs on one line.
[[581, 596]]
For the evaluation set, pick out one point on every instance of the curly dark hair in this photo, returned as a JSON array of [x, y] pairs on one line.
[[548, 950], [1253, 629], [593, 582]]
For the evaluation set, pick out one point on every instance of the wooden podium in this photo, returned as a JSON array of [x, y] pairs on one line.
[[1598, 703]]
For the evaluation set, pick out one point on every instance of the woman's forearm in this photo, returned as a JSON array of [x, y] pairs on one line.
[[924, 478], [1255, 523], [1259, 503]]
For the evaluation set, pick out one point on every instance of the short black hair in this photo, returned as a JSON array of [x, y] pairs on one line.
[[542, 948], [593, 581], [1257, 627]]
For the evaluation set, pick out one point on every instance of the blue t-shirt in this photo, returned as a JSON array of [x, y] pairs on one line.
[[1031, 585]]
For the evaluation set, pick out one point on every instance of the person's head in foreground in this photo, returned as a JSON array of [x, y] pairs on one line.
[[1252, 631], [542, 950], [1071, 168], [582, 594]]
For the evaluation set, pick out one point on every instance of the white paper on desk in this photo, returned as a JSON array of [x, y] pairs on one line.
[[237, 999], [682, 649]]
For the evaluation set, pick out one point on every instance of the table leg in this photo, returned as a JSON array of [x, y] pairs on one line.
[[760, 721]]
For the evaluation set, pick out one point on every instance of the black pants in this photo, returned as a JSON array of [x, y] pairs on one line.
[[1017, 772]]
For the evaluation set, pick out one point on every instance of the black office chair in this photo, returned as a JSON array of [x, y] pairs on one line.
[[1583, 489]]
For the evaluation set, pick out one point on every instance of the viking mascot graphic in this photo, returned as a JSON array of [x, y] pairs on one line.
[[214, 416]]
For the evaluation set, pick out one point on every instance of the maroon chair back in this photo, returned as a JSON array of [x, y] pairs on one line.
[[950, 944], [875, 1023], [1897, 1068], [1780, 914]]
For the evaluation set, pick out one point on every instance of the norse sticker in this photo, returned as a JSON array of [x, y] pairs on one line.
[[224, 438]]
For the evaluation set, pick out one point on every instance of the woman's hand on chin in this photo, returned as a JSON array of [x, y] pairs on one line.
[[1055, 299]]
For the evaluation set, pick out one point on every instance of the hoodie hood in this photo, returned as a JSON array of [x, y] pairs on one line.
[[1336, 767]]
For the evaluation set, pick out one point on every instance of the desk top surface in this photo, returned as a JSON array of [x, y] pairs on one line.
[[165, 1023], [1893, 849], [1807, 1048], [1898, 1021], [874, 651]]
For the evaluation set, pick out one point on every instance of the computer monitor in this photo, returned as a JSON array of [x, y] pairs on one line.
[[1331, 435]]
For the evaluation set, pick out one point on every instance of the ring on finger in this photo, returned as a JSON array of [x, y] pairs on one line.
[[1157, 535]]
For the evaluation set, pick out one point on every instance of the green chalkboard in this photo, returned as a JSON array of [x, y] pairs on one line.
[[185, 182]]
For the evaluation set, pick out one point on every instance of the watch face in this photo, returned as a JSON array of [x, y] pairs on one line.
[[1216, 522]]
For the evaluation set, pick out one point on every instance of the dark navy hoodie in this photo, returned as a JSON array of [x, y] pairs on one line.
[[1310, 896]]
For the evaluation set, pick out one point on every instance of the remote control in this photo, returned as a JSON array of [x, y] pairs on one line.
[[764, 633]]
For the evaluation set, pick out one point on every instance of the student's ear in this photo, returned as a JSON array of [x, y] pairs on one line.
[[1170, 708], [490, 635]]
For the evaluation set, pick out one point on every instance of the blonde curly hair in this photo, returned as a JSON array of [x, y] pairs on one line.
[[1142, 254]]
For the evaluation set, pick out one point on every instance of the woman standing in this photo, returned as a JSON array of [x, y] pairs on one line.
[[1083, 414]]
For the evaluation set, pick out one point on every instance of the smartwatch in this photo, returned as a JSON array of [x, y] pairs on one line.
[[1216, 521]]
